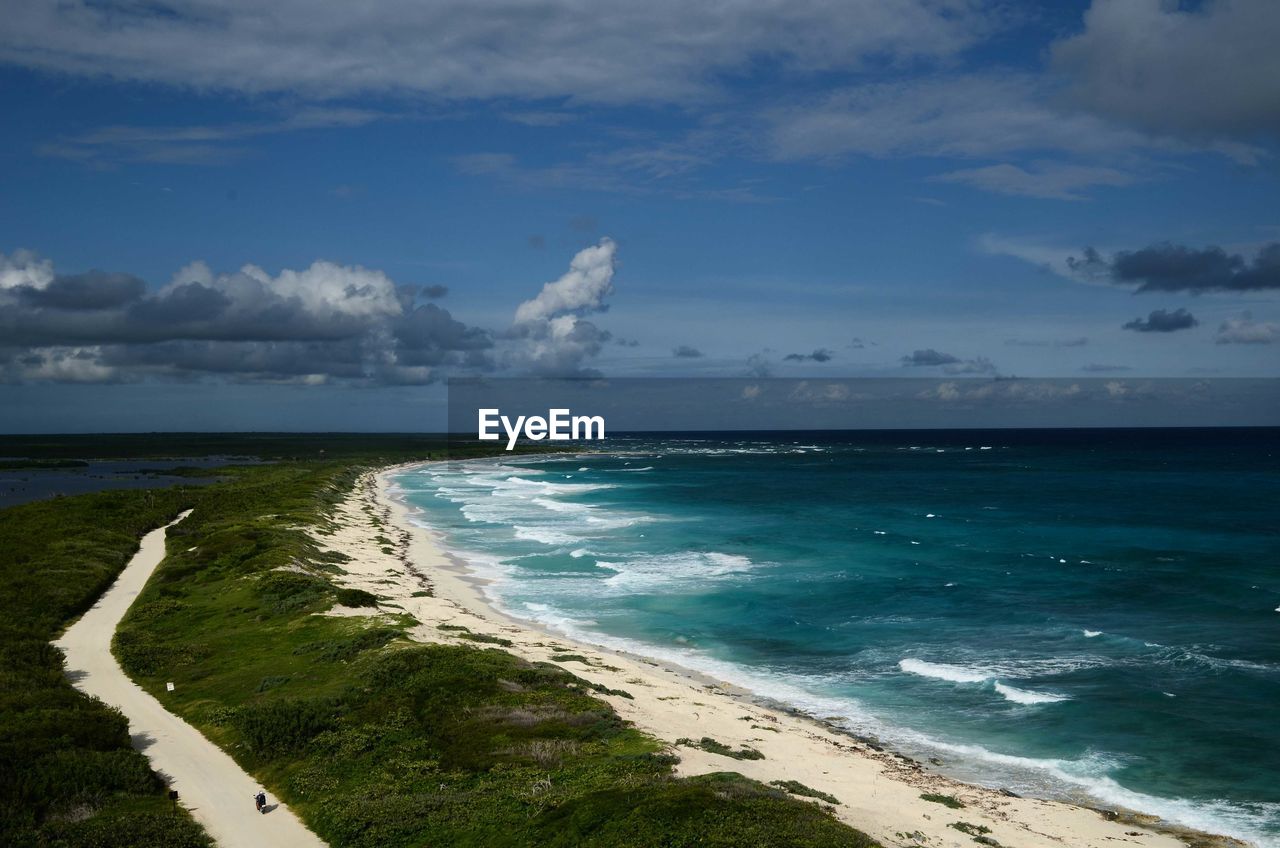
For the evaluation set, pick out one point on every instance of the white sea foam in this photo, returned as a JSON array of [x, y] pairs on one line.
[[1089, 634], [1024, 696], [941, 671], [545, 535]]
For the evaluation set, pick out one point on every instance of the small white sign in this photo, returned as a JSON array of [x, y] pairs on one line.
[[169, 686]]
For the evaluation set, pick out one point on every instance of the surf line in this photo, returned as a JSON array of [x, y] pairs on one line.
[[560, 425]]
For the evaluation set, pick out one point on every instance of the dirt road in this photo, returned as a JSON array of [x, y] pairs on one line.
[[209, 783]]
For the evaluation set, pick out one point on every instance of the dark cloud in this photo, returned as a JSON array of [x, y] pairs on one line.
[[1163, 321], [90, 290], [1171, 267], [325, 322], [928, 358], [686, 352], [819, 355]]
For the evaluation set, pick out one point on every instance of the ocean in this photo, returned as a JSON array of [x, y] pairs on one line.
[[1085, 615]]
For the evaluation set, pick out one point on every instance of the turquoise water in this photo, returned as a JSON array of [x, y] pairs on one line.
[[1077, 615]]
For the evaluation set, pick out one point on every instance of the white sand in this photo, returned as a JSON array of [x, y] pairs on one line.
[[209, 783], [879, 791]]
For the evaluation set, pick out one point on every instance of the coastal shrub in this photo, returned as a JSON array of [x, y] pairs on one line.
[[69, 775], [143, 652], [356, 598], [795, 787], [719, 810], [945, 800], [350, 646], [283, 727], [713, 746], [287, 591], [970, 829]]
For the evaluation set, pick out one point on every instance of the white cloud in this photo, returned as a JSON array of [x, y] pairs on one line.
[[550, 335], [582, 289], [977, 115], [1244, 330], [25, 268], [599, 51], [1210, 70], [1049, 180], [959, 116]]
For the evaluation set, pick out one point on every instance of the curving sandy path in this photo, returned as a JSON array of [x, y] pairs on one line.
[[217, 791]]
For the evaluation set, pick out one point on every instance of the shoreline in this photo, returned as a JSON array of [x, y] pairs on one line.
[[879, 790]]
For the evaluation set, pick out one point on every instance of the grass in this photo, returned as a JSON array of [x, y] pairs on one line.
[[713, 746], [372, 739], [795, 787], [945, 800], [970, 829]]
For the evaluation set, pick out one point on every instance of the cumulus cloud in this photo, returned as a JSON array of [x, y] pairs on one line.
[[1199, 70], [1169, 267], [686, 352], [819, 355], [1245, 330], [1163, 321], [1046, 180], [552, 336], [327, 321], [583, 289]]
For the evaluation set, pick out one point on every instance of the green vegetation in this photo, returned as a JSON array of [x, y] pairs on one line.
[[712, 746], [795, 787], [465, 633], [68, 774], [970, 829], [372, 739], [945, 800], [356, 598]]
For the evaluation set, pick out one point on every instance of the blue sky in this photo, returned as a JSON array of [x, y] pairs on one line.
[[869, 188]]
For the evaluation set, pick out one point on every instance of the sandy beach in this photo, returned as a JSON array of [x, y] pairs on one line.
[[879, 792]]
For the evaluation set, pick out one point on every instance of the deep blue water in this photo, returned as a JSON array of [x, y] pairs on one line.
[[1071, 614]]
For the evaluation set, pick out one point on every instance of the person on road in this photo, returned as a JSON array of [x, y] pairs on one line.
[[260, 801]]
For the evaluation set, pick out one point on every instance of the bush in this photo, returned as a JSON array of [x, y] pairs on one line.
[[712, 746], [289, 591], [356, 598], [283, 727]]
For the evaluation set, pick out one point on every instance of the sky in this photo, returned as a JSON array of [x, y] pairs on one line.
[[310, 215]]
